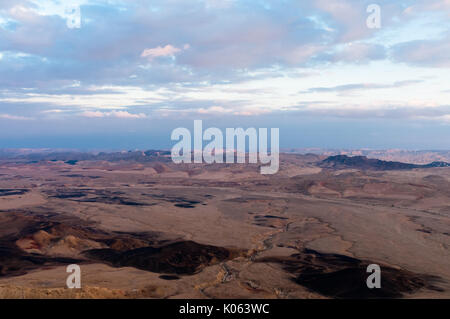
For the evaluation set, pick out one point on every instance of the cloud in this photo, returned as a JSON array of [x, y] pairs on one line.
[[52, 111], [432, 53], [126, 115], [14, 117], [347, 15], [118, 39], [92, 114], [243, 57], [214, 110], [362, 86], [398, 112], [219, 111], [159, 51], [113, 114], [358, 53], [441, 6]]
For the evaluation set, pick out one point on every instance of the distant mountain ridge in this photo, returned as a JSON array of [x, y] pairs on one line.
[[72, 157], [362, 162], [419, 157]]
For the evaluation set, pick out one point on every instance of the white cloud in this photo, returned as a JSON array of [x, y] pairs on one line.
[[126, 95], [13, 117], [53, 111], [218, 110], [214, 110], [168, 50], [126, 115], [115, 114]]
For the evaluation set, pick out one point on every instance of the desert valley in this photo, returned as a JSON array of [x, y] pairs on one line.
[[141, 226]]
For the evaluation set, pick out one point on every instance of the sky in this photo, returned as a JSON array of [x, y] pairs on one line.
[[110, 74]]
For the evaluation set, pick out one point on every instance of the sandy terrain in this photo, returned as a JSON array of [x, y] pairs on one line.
[[158, 230]]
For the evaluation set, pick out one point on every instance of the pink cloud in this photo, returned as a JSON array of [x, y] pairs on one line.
[[168, 50], [93, 114], [126, 115]]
